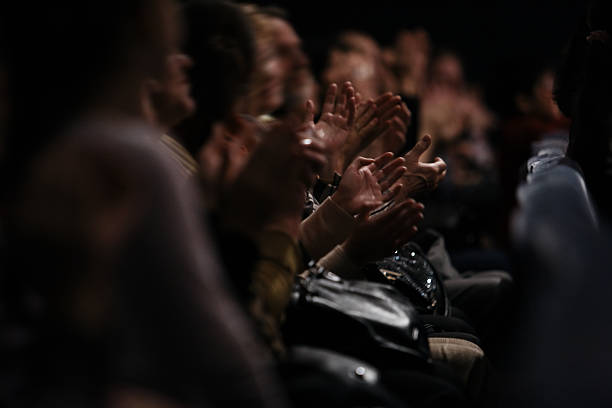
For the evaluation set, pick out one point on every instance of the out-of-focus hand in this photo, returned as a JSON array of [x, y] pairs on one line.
[[379, 235], [336, 121], [224, 155], [410, 57], [419, 176], [367, 183], [271, 187], [382, 122]]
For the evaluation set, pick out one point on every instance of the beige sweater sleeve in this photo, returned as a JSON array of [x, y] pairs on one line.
[[339, 263], [327, 227]]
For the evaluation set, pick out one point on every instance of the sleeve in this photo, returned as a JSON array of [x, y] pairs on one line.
[[327, 227], [339, 263]]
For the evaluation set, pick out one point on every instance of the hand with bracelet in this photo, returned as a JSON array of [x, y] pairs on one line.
[[337, 119], [270, 188]]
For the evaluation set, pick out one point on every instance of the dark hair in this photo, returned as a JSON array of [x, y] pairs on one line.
[[221, 43]]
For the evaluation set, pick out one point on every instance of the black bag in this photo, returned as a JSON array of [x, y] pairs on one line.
[[367, 320], [315, 377], [409, 270]]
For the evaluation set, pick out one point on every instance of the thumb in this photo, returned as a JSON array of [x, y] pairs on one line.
[[309, 114], [421, 146], [363, 161]]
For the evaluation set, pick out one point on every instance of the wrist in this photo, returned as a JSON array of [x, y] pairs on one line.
[[343, 202]]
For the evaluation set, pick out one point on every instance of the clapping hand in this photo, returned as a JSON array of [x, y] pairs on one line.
[[369, 183], [419, 176], [385, 118], [336, 121], [377, 236]]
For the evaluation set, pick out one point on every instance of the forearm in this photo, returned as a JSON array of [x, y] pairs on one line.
[[327, 227], [340, 263]]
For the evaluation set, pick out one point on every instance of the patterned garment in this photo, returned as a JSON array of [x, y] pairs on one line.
[[186, 162], [318, 193]]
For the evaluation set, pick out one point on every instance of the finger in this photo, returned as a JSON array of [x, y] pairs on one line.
[[390, 180], [391, 193], [405, 115], [309, 115], [390, 113], [369, 134], [342, 103], [392, 214], [350, 118], [342, 100], [398, 124], [363, 161], [403, 222], [438, 166], [383, 98], [366, 115], [420, 147], [410, 217], [389, 167], [441, 164], [357, 99], [388, 104], [384, 159], [330, 99], [415, 204], [379, 163]]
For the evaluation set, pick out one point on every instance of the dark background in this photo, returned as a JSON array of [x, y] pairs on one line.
[[493, 37]]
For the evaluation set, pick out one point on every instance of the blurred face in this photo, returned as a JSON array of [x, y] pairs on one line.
[[288, 48], [176, 89], [168, 99], [447, 73], [355, 67], [540, 102], [266, 88], [163, 28], [543, 101]]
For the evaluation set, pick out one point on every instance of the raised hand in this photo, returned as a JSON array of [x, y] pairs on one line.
[[379, 235], [395, 119], [336, 121], [419, 176], [384, 120], [367, 183]]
